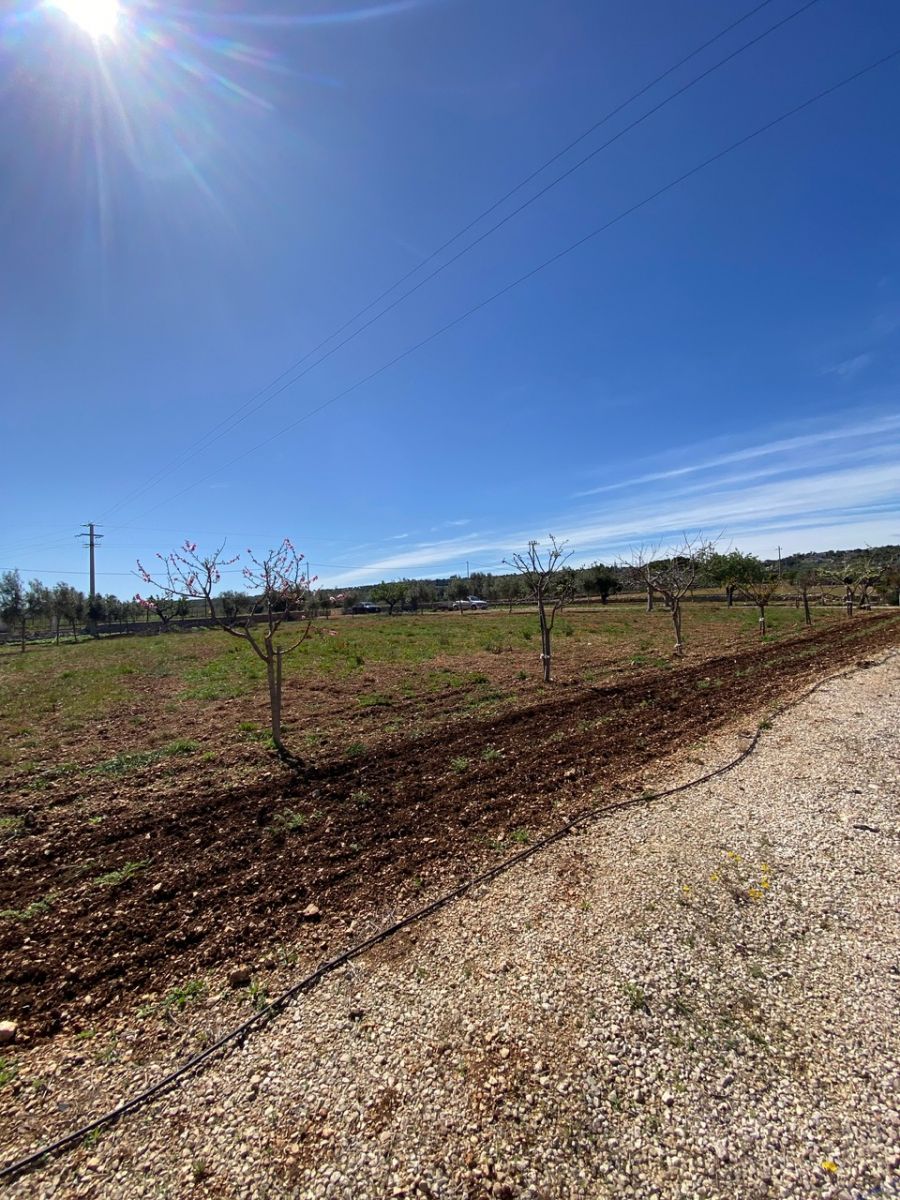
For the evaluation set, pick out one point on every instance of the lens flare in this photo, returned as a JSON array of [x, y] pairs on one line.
[[98, 18]]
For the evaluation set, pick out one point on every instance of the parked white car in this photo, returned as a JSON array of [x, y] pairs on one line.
[[470, 602]]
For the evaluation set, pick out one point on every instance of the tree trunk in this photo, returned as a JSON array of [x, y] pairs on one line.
[[676, 621], [273, 675], [23, 637], [806, 613], [604, 597], [848, 601], [649, 598], [762, 620], [57, 631], [729, 593], [545, 642]]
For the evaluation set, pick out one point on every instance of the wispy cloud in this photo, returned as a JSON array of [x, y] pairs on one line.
[[850, 367], [883, 425], [830, 487]]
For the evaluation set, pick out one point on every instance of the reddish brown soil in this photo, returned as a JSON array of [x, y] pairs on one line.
[[221, 876]]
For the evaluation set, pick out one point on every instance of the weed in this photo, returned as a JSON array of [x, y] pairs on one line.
[[85, 1035], [459, 764], [520, 836], [361, 799], [355, 749], [199, 1170], [37, 908], [637, 998], [92, 1138], [96, 820], [521, 675], [8, 1072], [181, 746], [122, 875], [374, 700], [258, 994], [12, 827], [288, 822], [179, 997], [122, 764], [491, 754]]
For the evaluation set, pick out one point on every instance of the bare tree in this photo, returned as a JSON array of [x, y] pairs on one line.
[[279, 590], [548, 582], [670, 576], [804, 580]]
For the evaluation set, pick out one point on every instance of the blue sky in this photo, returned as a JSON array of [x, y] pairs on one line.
[[193, 204]]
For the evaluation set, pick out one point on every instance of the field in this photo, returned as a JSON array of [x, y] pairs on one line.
[[149, 836]]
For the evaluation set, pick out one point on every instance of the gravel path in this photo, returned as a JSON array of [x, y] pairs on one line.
[[698, 998]]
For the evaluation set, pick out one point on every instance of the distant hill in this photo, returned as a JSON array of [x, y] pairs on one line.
[[825, 559]]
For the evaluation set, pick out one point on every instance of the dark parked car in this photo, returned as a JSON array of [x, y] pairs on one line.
[[366, 607]]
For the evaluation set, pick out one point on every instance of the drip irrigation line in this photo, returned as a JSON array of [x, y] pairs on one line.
[[238, 1034]]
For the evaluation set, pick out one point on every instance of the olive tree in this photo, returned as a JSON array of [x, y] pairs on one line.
[[758, 584], [278, 592], [727, 569], [68, 604], [390, 593], [13, 605], [510, 588], [859, 576], [601, 581], [548, 582]]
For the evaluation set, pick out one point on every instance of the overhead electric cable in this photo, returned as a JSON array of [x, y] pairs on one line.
[[245, 410], [530, 274]]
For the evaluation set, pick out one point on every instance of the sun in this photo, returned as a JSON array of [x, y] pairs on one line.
[[98, 18]]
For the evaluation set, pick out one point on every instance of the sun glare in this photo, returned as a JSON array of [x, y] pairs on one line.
[[98, 18]]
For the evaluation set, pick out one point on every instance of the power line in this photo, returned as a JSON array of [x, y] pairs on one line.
[[530, 274], [244, 411]]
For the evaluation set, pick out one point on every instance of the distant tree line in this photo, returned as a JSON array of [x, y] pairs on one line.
[[857, 575]]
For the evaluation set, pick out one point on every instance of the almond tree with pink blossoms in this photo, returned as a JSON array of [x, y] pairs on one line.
[[278, 593]]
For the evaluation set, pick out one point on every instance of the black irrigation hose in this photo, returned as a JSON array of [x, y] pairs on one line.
[[18, 1167]]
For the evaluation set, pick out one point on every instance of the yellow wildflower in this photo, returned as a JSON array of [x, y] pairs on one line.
[[754, 893], [764, 883], [830, 1166], [714, 878]]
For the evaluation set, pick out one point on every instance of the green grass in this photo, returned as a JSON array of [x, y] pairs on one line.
[[122, 875], [51, 693], [37, 908]]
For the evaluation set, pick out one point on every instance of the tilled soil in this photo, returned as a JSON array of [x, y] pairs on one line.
[[217, 873]]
